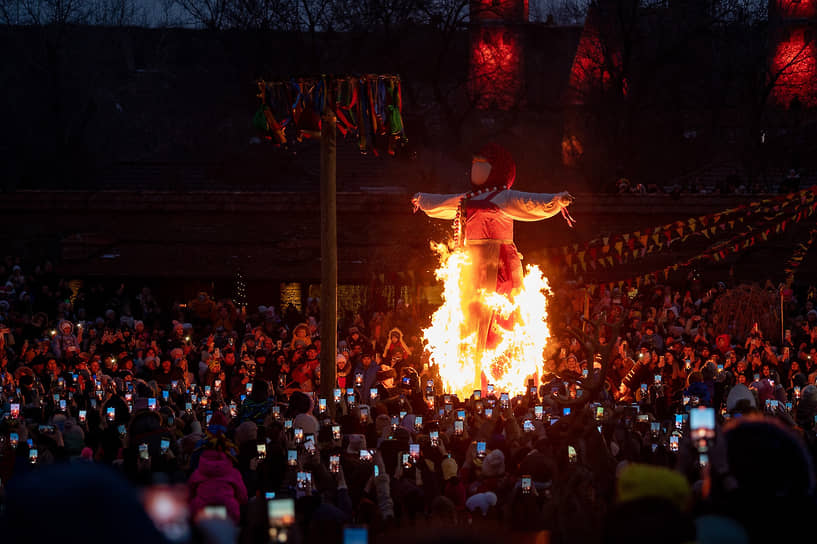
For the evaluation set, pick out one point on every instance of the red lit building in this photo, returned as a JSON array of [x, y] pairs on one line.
[[793, 52], [497, 61]]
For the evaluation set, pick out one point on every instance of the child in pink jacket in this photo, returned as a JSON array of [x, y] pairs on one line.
[[216, 482]]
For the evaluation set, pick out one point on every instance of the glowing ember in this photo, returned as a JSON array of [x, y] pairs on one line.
[[515, 357]]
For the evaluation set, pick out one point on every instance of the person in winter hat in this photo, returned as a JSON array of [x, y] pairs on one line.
[[637, 481], [481, 502], [396, 350], [740, 400], [65, 343], [761, 470], [453, 488], [216, 481]]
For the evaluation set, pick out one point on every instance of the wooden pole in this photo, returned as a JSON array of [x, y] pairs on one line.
[[329, 260]]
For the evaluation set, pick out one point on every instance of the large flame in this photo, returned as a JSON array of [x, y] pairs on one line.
[[518, 354]]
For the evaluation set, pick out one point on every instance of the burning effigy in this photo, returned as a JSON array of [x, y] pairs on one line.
[[492, 324]]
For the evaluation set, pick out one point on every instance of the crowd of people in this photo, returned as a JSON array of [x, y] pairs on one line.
[[214, 413]]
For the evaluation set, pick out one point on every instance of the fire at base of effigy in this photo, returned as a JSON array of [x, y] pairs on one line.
[[517, 330]]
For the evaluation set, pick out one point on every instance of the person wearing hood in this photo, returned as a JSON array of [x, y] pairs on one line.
[[367, 370], [484, 219], [344, 372], [65, 341], [396, 349], [216, 480]]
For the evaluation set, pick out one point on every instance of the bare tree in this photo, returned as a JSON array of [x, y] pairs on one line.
[[209, 14], [116, 13], [44, 12], [263, 15]]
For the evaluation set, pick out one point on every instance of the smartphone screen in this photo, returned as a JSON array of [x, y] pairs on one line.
[[702, 422], [434, 438], [355, 535], [336, 394], [334, 463], [292, 457], [143, 451], [365, 455], [673, 443], [599, 412], [151, 403], [526, 484], [571, 454], [527, 426], [335, 432], [418, 422], [167, 508], [489, 412], [459, 427], [164, 445], [262, 451], [281, 512], [405, 459], [481, 447], [309, 443], [111, 412], [299, 435], [322, 404], [373, 393], [460, 414], [414, 450], [566, 411], [538, 411]]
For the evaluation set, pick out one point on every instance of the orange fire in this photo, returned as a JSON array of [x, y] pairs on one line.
[[518, 354]]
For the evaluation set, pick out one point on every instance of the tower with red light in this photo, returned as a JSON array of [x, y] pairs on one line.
[[793, 52], [496, 63]]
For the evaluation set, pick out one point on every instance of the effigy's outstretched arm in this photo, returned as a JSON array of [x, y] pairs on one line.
[[523, 206], [437, 206]]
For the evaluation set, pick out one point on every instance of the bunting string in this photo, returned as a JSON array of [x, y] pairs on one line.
[[627, 248], [608, 251], [799, 254], [719, 251]]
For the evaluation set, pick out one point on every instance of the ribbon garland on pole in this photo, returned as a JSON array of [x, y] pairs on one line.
[[719, 251], [368, 108]]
